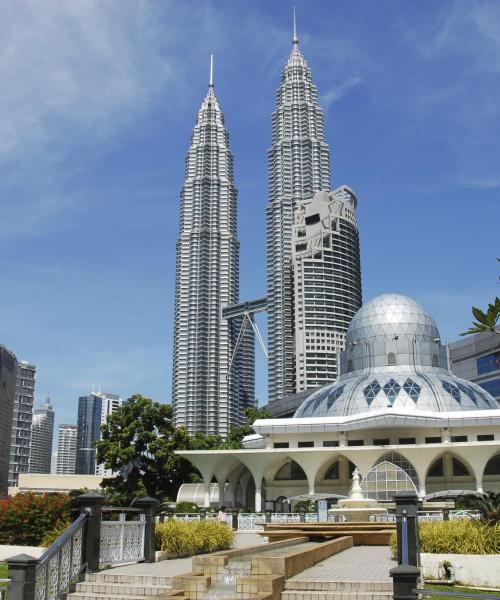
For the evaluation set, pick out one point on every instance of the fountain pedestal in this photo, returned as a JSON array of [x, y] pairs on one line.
[[357, 507]]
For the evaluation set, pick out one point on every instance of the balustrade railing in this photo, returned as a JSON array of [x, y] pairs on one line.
[[86, 545], [122, 541], [62, 564]]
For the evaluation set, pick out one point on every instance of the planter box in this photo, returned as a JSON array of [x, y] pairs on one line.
[[471, 569]]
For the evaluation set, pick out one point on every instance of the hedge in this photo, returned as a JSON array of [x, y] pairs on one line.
[[187, 538], [26, 519], [460, 536]]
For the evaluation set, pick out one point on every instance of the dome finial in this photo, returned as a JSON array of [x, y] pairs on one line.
[[295, 38], [211, 82]]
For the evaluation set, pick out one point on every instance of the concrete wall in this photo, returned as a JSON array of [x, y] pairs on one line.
[[480, 570], [41, 483]]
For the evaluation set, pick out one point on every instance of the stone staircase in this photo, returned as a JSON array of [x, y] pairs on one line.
[[109, 586], [337, 590]]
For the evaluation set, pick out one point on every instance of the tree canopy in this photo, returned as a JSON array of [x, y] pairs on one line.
[[138, 443]]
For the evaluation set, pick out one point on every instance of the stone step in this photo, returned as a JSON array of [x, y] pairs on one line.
[[121, 589], [339, 586], [335, 595], [109, 577], [94, 596]]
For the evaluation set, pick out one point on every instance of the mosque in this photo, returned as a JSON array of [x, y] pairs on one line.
[[397, 414]]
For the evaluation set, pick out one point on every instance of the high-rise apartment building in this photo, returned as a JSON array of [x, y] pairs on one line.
[[93, 410], [326, 283], [299, 165], [66, 450], [8, 369], [42, 431], [21, 421], [211, 385]]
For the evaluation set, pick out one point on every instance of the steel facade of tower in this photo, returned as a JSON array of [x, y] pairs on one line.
[[42, 430], [66, 450], [22, 421], [326, 282], [299, 165], [207, 395]]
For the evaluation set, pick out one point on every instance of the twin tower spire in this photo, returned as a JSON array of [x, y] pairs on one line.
[[295, 41]]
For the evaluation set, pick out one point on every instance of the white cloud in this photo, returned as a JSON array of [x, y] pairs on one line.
[[335, 93], [73, 69]]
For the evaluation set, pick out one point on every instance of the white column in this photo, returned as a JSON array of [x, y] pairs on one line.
[[222, 488], [258, 496], [479, 484], [207, 494]]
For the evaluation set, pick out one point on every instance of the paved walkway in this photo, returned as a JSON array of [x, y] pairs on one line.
[[359, 563], [177, 566]]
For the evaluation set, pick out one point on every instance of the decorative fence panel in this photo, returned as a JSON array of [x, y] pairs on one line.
[[122, 541], [251, 521], [61, 564]]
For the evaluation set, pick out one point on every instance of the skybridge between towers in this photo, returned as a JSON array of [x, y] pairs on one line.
[[246, 311]]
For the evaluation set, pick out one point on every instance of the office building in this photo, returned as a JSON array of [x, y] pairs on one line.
[[326, 283], [299, 165], [21, 421], [42, 431], [211, 384], [93, 410], [8, 371], [66, 450], [477, 358]]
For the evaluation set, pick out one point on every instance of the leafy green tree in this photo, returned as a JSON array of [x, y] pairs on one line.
[[138, 442], [237, 433]]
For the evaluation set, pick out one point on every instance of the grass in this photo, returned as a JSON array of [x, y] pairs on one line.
[[455, 588], [3, 570]]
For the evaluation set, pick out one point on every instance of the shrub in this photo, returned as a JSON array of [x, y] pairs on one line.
[[186, 538], [461, 536], [186, 507], [51, 536], [25, 519]]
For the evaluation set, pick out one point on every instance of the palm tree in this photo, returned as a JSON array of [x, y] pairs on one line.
[[488, 504]]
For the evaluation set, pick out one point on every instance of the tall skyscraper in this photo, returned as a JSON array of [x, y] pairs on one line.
[[299, 165], [93, 410], [66, 450], [21, 421], [42, 431], [211, 387], [326, 283], [8, 368]]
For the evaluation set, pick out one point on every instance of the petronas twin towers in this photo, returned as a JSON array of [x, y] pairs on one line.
[[213, 375]]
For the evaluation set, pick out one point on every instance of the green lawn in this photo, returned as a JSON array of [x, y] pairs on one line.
[[455, 588], [3, 570]]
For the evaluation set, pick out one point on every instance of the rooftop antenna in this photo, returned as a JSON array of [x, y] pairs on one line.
[[295, 38], [211, 82]]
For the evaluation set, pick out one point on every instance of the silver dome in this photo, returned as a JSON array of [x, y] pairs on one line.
[[394, 358], [391, 315]]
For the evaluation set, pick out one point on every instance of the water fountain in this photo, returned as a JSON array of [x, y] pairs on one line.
[[357, 507], [224, 588]]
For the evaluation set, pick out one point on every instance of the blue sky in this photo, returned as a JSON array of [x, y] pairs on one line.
[[97, 106]]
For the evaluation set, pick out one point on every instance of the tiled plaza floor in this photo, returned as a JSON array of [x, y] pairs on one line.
[[360, 563]]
